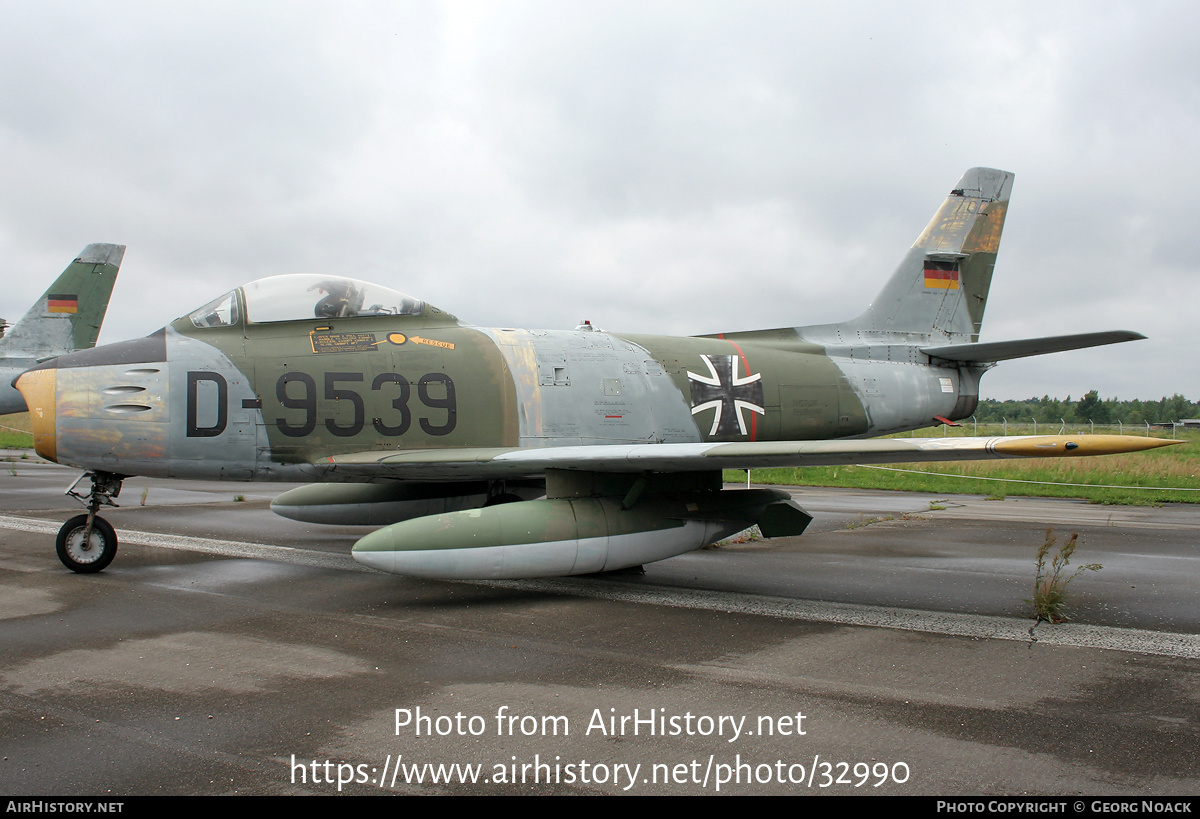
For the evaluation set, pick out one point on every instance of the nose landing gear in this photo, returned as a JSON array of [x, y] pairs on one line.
[[88, 543]]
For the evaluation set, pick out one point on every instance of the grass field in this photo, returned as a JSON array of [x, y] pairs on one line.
[[1155, 473], [15, 431]]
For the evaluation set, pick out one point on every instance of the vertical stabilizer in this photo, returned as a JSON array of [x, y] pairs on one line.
[[69, 314], [940, 289]]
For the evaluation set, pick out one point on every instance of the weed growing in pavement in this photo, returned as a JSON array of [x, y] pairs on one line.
[[1050, 585]]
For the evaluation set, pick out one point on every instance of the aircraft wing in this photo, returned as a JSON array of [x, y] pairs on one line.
[[496, 463]]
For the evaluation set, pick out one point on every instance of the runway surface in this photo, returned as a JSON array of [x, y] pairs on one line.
[[228, 650]]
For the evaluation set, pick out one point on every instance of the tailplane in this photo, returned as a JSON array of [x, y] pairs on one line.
[[993, 351]]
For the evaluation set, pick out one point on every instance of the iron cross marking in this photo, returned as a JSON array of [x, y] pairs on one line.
[[722, 390]]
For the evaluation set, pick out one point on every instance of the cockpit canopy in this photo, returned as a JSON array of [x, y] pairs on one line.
[[305, 296]]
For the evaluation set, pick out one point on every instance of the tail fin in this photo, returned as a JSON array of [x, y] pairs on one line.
[[69, 314], [939, 291]]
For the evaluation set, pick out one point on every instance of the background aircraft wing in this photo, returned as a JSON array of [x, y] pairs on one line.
[[496, 463]]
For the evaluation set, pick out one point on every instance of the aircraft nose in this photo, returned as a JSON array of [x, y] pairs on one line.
[[40, 389], [59, 394]]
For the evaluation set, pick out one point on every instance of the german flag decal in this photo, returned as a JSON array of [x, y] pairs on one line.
[[62, 303], [941, 275]]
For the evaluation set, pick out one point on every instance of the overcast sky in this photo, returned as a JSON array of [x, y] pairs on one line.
[[654, 167]]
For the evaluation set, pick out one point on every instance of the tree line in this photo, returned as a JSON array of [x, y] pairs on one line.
[[1089, 408]]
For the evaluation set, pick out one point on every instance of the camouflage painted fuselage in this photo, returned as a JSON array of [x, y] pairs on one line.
[[271, 401]]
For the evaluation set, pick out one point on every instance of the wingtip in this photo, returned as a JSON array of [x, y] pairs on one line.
[[1058, 446]]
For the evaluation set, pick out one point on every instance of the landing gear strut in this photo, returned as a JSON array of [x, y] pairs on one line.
[[498, 493], [88, 543]]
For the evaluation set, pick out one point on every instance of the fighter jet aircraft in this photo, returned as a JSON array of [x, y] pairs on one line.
[[445, 434], [67, 317]]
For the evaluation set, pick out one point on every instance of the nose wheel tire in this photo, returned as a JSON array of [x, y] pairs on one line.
[[89, 556]]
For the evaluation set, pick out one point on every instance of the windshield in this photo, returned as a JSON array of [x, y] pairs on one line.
[[220, 312]]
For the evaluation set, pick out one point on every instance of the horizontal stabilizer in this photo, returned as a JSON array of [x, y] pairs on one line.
[[1004, 350]]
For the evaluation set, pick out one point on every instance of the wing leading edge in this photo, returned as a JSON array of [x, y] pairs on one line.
[[499, 463]]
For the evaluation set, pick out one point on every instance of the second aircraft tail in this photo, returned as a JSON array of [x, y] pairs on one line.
[[69, 314]]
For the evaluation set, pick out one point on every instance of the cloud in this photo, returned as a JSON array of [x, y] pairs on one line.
[[663, 167]]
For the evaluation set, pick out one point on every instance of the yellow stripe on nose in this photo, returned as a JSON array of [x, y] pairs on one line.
[[40, 389]]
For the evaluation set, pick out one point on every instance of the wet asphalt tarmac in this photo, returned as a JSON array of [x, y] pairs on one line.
[[227, 650]]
